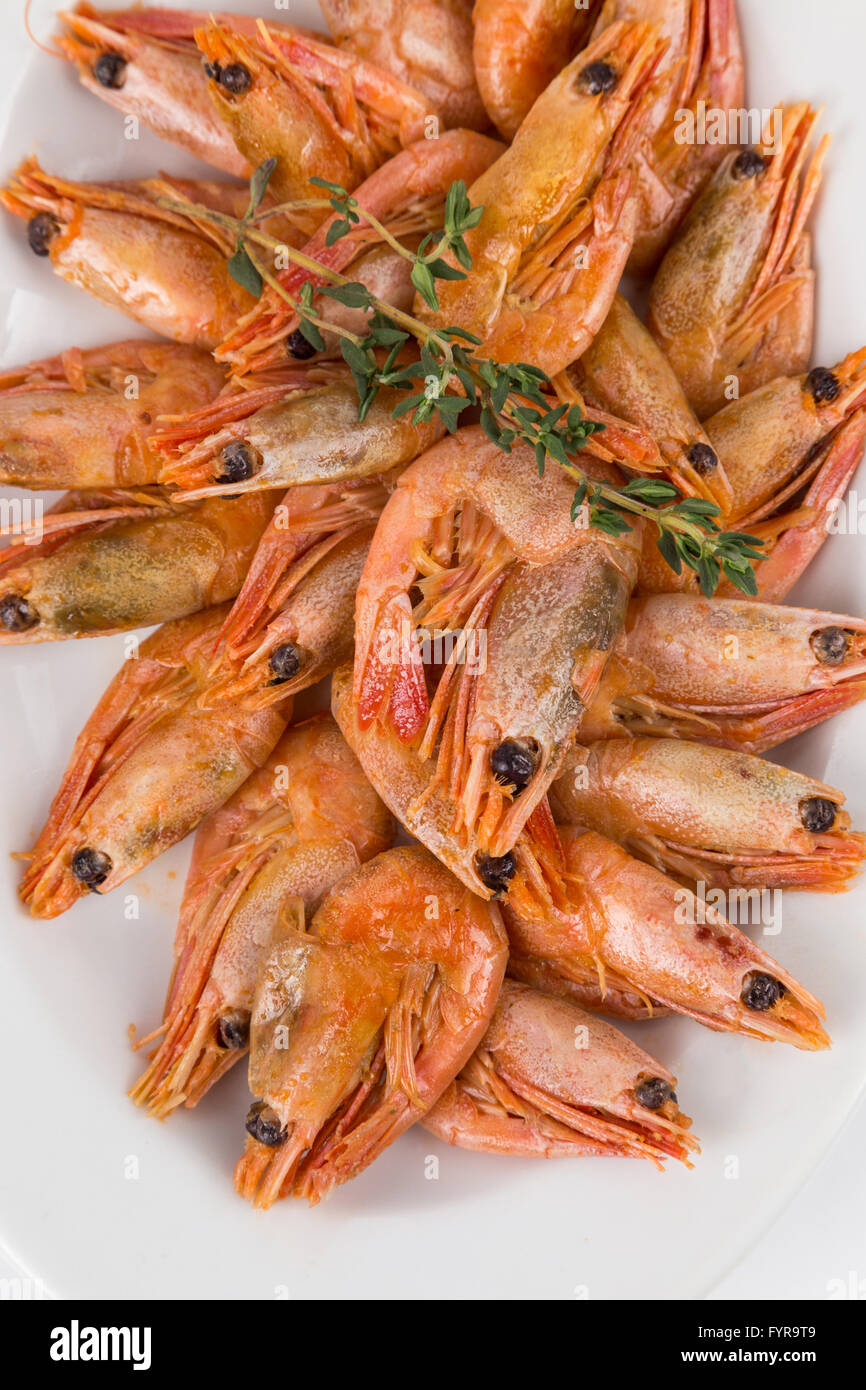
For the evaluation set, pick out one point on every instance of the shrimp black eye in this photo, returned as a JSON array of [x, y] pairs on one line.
[[822, 385], [496, 874], [298, 347], [41, 231], [818, 814], [263, 1124], [597, 78], [748, 165], [91, 867], [235, 78], [240, 461], [513, 762], [110, 70], [761, 992], [830, 645], [285, 662], [16, 614], [233, 1030], [653, 1093], [703, 459]]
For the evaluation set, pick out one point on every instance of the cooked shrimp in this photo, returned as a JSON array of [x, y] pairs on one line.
[[294, 619], [730, 672], [624, 371], [791, 449], [299, 426], [82, 419], [144, 62], [633, 923], [551, 1081], [530, 874], [265, 859], [793, 538], [118, 560], [518, 608], [705, 76], [147, 767], [735, 266], [163, 269], [720, 817], [319, 111], [361, 1022], [560, 211], [519, 48], [521, 45]]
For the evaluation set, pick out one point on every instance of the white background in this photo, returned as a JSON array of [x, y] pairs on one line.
[[791, 1225]]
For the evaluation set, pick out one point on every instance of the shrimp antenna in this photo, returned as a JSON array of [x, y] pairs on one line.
[[52, 52]]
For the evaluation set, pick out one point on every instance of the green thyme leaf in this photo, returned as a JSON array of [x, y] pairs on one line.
[[354, 295], [578, 500], [462, 333], [441, 270], [244, 273], [259, 184], [424, 283], [650, 490], [742, 579], [310, 332], [335, 188], [337, 230], [667, 545], [612, 523]]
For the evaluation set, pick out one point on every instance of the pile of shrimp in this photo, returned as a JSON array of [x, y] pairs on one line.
[[539, 800]]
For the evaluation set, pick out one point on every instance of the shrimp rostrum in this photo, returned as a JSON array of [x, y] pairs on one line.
[[261, 863], [485, 619], [361, 1022], [550, 1080]]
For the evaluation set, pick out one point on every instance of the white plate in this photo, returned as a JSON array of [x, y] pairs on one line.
[[98, 1200]]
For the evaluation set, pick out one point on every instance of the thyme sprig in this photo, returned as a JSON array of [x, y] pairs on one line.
[[513, 401]]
